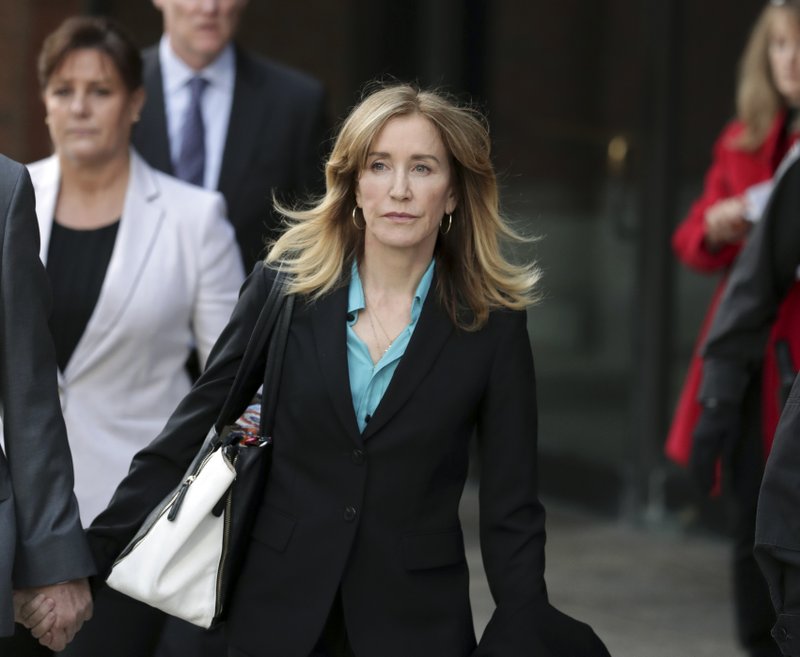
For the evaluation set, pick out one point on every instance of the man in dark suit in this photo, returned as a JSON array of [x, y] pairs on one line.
[[223, 118], [765, 274], [251, 127], [43, 549], [777, 541], [729, 430]]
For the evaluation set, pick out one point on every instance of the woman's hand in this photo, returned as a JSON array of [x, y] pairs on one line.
[[725, 223], [35, 611], [54, 613]]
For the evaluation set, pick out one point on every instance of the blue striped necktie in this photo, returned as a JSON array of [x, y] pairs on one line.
[[191, 162]]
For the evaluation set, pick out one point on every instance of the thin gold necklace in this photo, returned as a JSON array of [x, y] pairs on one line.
[[375, 334], [371, 311]]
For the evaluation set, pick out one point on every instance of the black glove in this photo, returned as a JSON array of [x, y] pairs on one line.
[[715, 436]]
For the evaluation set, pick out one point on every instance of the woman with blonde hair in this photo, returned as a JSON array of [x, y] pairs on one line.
[[709, 240], [408, 333]]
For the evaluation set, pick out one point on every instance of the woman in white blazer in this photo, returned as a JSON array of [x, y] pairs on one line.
[[143, 267], [172, 281]]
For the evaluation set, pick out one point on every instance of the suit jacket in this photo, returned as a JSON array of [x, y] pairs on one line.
[[760, 282], [764, 273], [41, 540], [375, 514], [172, 281], [777, 544], [275, 142]]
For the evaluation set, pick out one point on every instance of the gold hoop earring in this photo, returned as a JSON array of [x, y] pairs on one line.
[[355, 221], [449, 225]]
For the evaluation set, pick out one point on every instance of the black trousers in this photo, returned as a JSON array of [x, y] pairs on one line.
[[755, 615], [22, 644], [182, 639], [334, 641], [120, 626]]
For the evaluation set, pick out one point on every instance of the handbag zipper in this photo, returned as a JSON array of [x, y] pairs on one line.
[[226, 533], [181, 492], [133, 544], [175, 505]]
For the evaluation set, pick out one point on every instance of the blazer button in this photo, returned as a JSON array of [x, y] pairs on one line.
[[358, 456], [350, 513]]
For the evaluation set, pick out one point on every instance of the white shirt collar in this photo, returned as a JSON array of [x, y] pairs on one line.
[[176, 73]]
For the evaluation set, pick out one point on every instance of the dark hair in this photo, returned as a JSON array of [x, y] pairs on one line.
[[94, 33]]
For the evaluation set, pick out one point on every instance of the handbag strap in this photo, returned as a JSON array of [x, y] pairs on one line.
[[264, 327], [276, 350]]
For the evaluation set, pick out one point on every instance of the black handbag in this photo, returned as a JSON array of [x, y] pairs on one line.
[[252, 457], [186, 556]]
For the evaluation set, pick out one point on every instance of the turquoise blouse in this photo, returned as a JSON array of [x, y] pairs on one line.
[[368, 381]]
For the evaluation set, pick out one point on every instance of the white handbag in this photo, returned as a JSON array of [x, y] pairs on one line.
[[185, 557], [174, 566]]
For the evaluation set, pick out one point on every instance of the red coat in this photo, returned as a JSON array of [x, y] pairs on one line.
[[732, 171]]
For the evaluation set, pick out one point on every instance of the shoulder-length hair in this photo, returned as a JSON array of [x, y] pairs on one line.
[[757, 97], [474, 277]]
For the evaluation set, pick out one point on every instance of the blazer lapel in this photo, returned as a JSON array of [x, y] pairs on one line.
[[140, 223], [249, 111], [430, 334], [150, 135], [330, 334], [48, 179]]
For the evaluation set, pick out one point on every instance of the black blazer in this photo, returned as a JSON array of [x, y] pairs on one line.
[[763, 275], [275, 142], [777, 541], [761, 278], [374, 513], [41, 538]]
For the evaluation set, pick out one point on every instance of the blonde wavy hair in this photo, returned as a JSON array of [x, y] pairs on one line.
[[757, 97], [474, 277]]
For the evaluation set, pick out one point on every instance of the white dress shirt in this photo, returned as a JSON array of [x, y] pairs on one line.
[[216, 103]]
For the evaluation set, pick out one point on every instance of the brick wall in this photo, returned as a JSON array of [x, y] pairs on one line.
[[23, 26]]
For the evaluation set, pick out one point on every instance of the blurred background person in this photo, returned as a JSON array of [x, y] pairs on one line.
[[763, 277], [224, 118], [43, 551], [709, 240], [142, 266], [745, 155], [764, 274]]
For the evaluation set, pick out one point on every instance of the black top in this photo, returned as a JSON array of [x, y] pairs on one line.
[[77, 261]]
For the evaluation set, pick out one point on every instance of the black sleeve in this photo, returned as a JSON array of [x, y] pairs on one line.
[[777, 547], [761, 277], [512, 519], [158, 468]]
